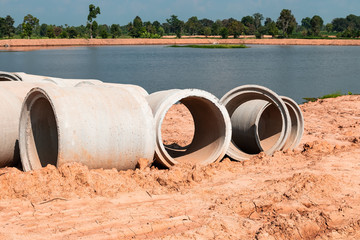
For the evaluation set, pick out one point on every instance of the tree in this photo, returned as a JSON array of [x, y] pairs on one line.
[[176, 25], [7, 26], [50, 33], [72, 32], [115, 30], [43, 30], [215, 28], [329, 27], [234, 27], [248, 22], [93, 12], [286, 22], [136, 28], [316, 25], [339, 24], [224, 32], [305, 22], [258, 17], [104, 31], [29, 24], [207, 31], [193, 26]]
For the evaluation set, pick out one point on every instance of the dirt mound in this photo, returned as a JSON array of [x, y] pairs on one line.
[[312, 192]]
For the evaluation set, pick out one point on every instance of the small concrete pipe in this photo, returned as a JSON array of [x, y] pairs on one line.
[[6, 76], [297, 124], [260, 121], [12, 95], [212, 134], [97, 126]]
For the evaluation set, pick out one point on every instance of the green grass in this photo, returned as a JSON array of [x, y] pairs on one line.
[[212, 46], [331, 95]]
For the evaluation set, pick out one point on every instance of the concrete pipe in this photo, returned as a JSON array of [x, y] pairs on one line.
[[6, 76], [260, 121], [12, 95], [97, 126], [62, 82], [212, 133], [297, 124]]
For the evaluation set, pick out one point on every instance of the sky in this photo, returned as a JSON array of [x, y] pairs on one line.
[[74, 12]]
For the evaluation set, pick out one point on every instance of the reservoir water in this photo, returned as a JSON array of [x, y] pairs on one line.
[[294, 71]]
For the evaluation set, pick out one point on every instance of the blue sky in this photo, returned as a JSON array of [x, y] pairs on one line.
[[74, 12]]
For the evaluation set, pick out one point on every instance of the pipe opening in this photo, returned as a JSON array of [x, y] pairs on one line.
[[270, 127], [177, 129], [42, 137], [208, 134]]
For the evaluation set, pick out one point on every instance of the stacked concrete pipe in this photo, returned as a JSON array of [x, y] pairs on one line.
[[260, 121], [101, 127], [7, 76], [12, 95], [211, 121]]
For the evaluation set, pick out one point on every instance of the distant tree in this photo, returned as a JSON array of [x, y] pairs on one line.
[[64, 34], [192, 26], [58, 30], [207, 31], [316, 25], [215, 28], [136, 28], [104, 31], [286, 22], [258, 17], [50, 33], [249, 23], [29, 24], [329, 27], [94, 29], [305, 22], [339, 24], [73, 32], [7, 26], [115, 30], [235, 27], [93, 12], [270, 27], [224, 32], [176, 25], [43, 29]]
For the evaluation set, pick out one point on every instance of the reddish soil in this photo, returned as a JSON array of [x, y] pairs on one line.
[[312, 192], [35, 44]]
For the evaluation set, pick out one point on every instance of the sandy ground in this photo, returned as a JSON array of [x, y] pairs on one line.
[[312, 192], [35, 44]]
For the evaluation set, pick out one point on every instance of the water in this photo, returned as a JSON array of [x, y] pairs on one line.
[[294, 71]]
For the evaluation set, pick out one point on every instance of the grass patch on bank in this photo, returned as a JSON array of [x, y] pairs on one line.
[[330, 95], [212, 46]]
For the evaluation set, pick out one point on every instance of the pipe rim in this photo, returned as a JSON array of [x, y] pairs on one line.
[[161, 153], [293, 106], [9, 76], [29, 163], [262, 93]]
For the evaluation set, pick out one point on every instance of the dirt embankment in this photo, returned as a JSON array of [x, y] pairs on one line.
[[310, 193], [33, 44]]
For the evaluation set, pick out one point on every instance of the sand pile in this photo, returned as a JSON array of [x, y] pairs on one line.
[[312, 192]]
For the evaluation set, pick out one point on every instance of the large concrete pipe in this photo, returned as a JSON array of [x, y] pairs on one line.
[[12, 95], [62, 82], [100, 127], [297, 124], [212, 133], [260, 121], [6, 76]]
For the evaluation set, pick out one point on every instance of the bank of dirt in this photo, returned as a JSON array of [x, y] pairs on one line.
[[312, 192], [35, 44]]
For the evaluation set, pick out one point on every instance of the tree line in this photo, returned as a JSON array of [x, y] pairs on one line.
[[285, 26]]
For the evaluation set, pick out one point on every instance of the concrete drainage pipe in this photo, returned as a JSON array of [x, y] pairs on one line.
[[212, 125], [12, 95], [6, 76], [260, 121], [97, 126], [297, 123]]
